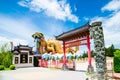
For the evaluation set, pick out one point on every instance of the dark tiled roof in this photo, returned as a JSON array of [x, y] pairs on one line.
[[20, 48], [75, 33]]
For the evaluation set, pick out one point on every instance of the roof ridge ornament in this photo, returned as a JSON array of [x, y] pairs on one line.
[[98, 23]]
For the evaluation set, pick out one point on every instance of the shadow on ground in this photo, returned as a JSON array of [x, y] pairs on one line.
[[80, 71]]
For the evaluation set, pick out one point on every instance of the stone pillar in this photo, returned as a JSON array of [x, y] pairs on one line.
[[96, 33]]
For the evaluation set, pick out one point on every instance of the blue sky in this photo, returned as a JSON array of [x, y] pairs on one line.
[[19, 19]]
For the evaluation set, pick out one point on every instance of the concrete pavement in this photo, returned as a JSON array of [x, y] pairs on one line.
[[37, 73]]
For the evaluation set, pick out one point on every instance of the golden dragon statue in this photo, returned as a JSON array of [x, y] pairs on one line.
[[51, 45]]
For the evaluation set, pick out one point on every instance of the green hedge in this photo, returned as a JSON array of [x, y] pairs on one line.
[[36, 61], [116, 64], [1, 67], [117, 61], [12, 67]]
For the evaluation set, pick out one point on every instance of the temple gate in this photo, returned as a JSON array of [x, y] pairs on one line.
[[83, 33], [76, 37]]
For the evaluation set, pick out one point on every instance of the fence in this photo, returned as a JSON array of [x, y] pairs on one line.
[[56, 64]]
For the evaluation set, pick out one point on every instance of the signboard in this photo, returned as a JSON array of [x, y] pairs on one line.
[[76, 43]]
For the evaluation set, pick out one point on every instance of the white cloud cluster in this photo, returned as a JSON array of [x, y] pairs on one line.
[[18, 26], [15, 41], [17, 30], [58, 9], [113, 5], [111, 23]]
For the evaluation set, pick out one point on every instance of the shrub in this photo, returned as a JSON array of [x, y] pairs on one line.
[[1, 67], [12, 67], [117, 61], [117, 53]]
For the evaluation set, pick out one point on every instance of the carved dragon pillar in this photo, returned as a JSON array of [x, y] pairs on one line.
[[96, 33]]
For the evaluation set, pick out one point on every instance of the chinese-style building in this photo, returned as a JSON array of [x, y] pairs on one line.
[[23, 56]]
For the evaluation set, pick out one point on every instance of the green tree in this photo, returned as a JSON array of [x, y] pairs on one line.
[[6, 56], [72, 57], [75, 57], [85, 54], [1, 58], [79, 57], [57, 58], [110, 51], [67, 57], [53, 58]]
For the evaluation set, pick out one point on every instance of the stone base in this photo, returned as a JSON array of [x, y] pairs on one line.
[[64, 67], [101, 76], [90, 69]]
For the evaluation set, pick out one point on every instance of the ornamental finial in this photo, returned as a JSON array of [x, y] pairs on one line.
[[99, 23]]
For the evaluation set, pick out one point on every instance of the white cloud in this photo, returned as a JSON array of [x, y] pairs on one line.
[[86, 18], [113, 5], [111, 23], [58, 9], [114, 21], [111, 30], [16, 41], [19, 27], [53, 29], [75, 9], [17, 30], [97, 18]]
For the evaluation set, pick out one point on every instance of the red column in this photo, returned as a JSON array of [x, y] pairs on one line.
[[64, 56], [89, 52]]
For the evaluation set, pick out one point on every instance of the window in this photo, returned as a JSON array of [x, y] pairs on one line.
[[30, 59], [16, 60]]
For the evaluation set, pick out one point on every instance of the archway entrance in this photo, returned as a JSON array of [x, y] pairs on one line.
[[76, 37]]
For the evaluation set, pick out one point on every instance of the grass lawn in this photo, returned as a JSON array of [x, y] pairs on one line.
[[54, 69], [7, 69], [89, 74]]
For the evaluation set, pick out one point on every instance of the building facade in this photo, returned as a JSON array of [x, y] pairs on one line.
[[23, 56]]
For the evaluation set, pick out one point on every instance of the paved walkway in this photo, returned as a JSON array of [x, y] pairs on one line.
[[37, 73]]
